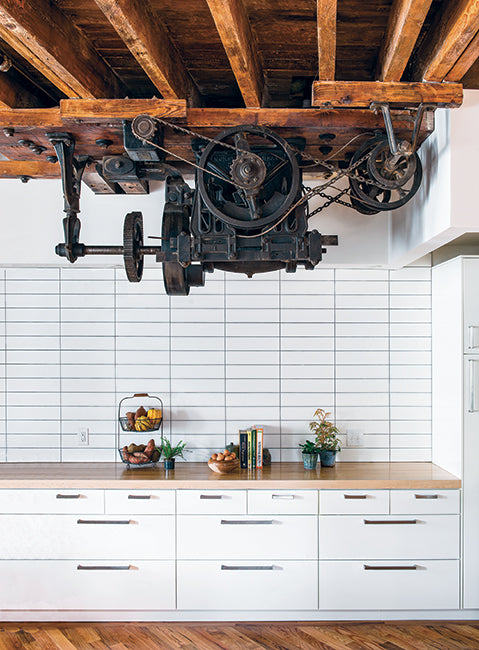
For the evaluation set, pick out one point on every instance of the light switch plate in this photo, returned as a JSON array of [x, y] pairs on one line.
[[83, 437]]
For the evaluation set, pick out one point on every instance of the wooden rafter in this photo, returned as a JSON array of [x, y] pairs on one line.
[[360, 94], [326, 22], [405, 21], [450, 37], [465, 61], [148, 40], [235, 32], [91, 110], [29, 169]]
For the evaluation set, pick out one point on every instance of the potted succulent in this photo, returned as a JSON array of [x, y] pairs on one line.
[[327, 442], [310, 454], [170, 452]]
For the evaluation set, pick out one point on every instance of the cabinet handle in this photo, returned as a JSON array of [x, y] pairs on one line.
[[68, 496], [426, 496], [390, 521], [82, 567], [139, 496], [282, 496], [103, 521], [247, 522], [369, 567], [472, 338], [211, 496], [355, 496], [472, 386], [225, 567]]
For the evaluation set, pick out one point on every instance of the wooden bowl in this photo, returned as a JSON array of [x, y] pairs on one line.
[[223, 466]]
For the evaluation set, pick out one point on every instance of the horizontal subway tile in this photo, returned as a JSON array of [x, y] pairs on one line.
[[87, 315], [200, 357], [410, 329], [362, 371], [302, 412], [185, 371], [252, 357], [363, 426], [247, 400], [414, 357], [409, 426], [42, 300], [408, 455], [31, 315], [312, 357], [33, 455], [356, 287], [88, 356], [140, 328], [33, 342], [319, 385], [81, 287], [307, 329], [197, 399], [313, 288], [310, 315], [402, 287], [361, 275], [410, 343], [146, 357], [132, 315], [362, 399], [102, 329], [362, 385], [363, 454], [299, 371], [362, 302], [302, 343], [410, 399], [410, 273], [141, 301], [196, 316], [260, 371], [150, 343], [250, 343], [411, 441], [410, 412], [25, 426], [31, 357], [255, 413], [362, 329], [410, 302], [411, 371], [362, 315], [319, 273], [322, 301], [254, 301], [360, 357], [39, 441], [307, 399], [32, 274], [362, 343], [88, 301], [411, 386], [362, 412], [79, 274]]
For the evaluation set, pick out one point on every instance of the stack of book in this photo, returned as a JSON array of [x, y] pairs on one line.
[[251, 448]]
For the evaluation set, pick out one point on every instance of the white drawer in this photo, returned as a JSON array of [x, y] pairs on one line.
[[140, 502], [417, 502], [416, 585], [247, 537], [211, 502], [52, 501], [283, 502], [61, 585], [247, 585], [389, 537], [352, 502], [87, 536]]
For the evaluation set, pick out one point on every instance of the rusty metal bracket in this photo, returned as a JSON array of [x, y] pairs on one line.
[[72, 170]]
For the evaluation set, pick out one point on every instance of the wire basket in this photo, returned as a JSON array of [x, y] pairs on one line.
[[138, 414]]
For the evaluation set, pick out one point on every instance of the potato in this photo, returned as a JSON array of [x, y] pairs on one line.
[[140, 413], [228, 458], [214, 457], [220, 456]]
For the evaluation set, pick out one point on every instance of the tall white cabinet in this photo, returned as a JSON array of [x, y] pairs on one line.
[[455, 364]]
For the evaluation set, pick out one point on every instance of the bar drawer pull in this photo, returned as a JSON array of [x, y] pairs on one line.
[[426, 496], [282, 496], [211, 496], [369, 567], [225, 567], [82, 567], [139, 496], [390, 521], [104, 521], [247, 522], [355, 496], [68, 496]]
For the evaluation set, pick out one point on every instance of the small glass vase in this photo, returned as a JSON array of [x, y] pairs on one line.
[[169, 463], [328, 458], [310, 461]]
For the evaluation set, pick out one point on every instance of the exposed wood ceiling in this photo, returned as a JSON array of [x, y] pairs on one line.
[[308, 68]]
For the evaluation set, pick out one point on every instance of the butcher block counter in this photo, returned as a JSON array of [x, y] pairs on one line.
[[411, 476]]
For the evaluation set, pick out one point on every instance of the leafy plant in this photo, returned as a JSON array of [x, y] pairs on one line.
[[309, 447], [325, 432], [169, 451]]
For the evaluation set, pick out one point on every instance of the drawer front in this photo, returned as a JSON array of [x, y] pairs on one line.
[[85, 537], [389, 537], [352, 502], [416, 585], [417, 502], [247, 537], [52, 501], [211, 502], [62, 585], [140, 502], [283, 502], [247, 585]]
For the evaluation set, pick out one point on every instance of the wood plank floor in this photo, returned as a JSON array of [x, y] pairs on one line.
[[241, 636]]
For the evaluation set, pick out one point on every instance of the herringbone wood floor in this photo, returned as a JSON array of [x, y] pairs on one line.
[[240, 636]]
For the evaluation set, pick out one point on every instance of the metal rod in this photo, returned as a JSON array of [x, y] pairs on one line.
[[389, 129], [118, 250]]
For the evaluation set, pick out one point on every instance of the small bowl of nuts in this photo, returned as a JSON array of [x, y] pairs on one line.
[[224, 462]]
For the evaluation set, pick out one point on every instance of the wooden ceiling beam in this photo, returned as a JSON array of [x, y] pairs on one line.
[[465, 61], [148, 40], [451, 35], [116, 110], [326, 25], [48, 40], [29, 169], [235, 32], [360, 94], [405, 21]]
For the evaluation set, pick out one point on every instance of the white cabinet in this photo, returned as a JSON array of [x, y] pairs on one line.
[[283, 502], [51, 501], [140, 502], [455, 361], [209, 502], [349, 502]]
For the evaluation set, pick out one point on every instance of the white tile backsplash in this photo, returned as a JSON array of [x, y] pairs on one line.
[[234, 353]]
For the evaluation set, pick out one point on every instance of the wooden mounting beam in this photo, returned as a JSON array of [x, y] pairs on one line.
[[45, 38], [148, 40], [326, 25], [465, 61], [29, 169], [451, 34], [405, 21], [115, 110], [235, 32], [360, 94]]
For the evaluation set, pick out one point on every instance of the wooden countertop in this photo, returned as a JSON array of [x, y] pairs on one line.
[[199, 476]]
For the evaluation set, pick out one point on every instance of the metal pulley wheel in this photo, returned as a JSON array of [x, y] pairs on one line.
[[376, 184], [251, 183], [132, 244]]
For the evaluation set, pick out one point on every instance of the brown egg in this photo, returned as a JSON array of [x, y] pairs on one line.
[[220, 456]]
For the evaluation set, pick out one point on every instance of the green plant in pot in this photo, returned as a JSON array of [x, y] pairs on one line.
[[327, 442], [310, 454], [170, 452]]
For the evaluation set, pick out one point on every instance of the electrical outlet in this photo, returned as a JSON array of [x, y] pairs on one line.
[[354, 438], [83, 437]]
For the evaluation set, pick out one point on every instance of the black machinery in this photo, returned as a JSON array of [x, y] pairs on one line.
[[249, 210]]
